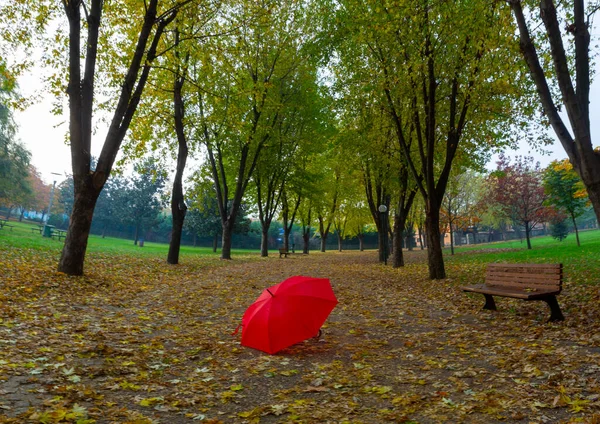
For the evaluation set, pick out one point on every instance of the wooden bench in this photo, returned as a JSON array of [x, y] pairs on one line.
[[283, 251], [522, 281]]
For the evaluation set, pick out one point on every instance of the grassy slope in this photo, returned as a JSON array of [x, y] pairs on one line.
[[581, 263], [22, 236]]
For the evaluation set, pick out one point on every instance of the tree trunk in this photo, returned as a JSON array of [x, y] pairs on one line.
[[73, 253], [305, 240], [451, 240], [527, 235], [226, 240], [576, 230], [339, 237], [286, 238], [324, 242], [398, 256], [593, 185], [434, 245], [264, 242], [21, 215], [178, 213], [361, 242], [136, 234], [178, 206], [215, 243]]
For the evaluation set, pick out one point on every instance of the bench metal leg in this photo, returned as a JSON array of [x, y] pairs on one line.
[[555, 312], [489, 302]]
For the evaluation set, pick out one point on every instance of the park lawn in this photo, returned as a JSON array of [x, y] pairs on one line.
[[22, 235], [138, 341]]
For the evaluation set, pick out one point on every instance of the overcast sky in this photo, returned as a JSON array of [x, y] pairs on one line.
[[44, 134]]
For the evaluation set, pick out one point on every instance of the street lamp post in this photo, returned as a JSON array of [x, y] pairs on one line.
[[382, 211]]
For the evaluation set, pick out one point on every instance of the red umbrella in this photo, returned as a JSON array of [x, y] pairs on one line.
[[287, 313]]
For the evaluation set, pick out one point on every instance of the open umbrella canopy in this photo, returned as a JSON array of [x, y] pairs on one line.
[[287, 313]]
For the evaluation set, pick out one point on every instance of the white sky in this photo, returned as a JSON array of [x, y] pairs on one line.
[[44, 133]]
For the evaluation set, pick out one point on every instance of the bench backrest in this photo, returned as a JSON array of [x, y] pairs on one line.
[[533, 276]]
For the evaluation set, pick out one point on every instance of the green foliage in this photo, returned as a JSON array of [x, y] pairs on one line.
[[565, 188], [14, 156], [559, 229]]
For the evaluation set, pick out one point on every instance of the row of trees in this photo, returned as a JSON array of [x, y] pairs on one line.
[[315, 108]]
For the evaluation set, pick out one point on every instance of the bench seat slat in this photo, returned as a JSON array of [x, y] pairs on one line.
[[500, 281], [510, 292], [534, 272], [524, 286]]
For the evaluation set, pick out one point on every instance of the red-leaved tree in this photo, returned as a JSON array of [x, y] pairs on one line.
[[519, 192]]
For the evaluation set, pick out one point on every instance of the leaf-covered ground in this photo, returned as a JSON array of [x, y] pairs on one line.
[[137, 341]]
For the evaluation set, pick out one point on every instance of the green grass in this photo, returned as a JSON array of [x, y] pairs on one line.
[[22, 236], [580, 263]]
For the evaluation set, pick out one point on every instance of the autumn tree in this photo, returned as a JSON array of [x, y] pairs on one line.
[[245, 86], [562, 77], [165, 118], [518, 190], [443, 69], [565, 190], [101, 45]]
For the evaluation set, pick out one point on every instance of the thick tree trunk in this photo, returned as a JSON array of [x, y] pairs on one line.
[[73, 253], [286, 238], [264, 242], [178, 213], [398, 256], [226, 241], [593, 184], [434, 245], [361, 242], [305, 240], [324, 242]]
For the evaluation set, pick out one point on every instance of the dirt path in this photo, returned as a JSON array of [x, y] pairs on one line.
[[143, 343]]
